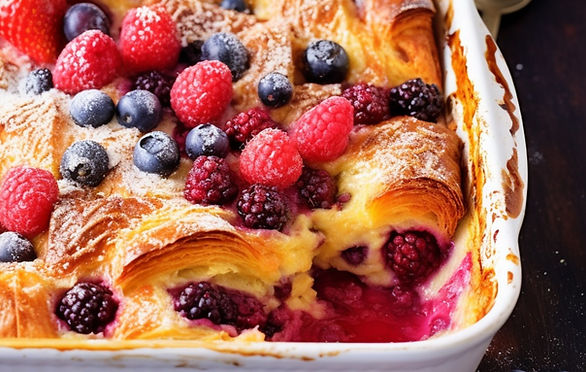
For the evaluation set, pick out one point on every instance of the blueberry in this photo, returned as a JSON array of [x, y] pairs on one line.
[[157, 153], [326, 62], [226, 48], [85, 162], [237, 5], [275, 90], [38, 81], [91, 108], [139, 109], [206, 139], [191, 54], [15, 248], [82, 17]]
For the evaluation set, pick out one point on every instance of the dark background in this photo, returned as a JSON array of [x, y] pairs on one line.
[[545, 48]]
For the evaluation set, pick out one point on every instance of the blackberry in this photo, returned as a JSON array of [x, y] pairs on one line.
[[206, 301], [38, 81], [412, 255], [228, 49], [275, 90], [210, 182], [87, 308], [156, 83], [355, 255], [325, 62], [262, 207], [242, 127], [15, 248], [276, 321], [317, 188], [85, 162], [371, 104], [249, 311], [415, 98], [283, 290]]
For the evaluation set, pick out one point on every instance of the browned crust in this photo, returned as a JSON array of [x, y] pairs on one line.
[[126, 238]]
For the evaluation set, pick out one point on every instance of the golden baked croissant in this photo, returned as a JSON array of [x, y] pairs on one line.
[[157, 266]]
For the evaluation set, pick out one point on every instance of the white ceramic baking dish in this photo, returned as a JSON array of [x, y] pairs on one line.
[[483, 103]]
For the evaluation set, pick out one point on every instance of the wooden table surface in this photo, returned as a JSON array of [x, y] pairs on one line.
[[545, 48]]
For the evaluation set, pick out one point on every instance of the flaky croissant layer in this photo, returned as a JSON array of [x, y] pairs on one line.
[[167, 261]]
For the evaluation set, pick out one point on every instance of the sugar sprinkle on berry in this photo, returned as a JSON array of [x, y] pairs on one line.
[[201, 93], [210, 181], [89, 61], [27, 197], [245, 125], [148, 39], [271, 159], [322, 133]]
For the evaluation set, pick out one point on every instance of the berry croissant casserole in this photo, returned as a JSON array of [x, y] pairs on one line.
[[227, 170]]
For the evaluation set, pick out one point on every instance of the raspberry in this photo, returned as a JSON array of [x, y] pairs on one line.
[[415, 98], [271, 159], [262, 207], [87, 308], [371, 104], [210, 182], [201, 93], [89, 61], [242, 127], [403, 298], [412, 255], [317, 188], [156, 83], [27, 196], [322, 133], [148, 39]]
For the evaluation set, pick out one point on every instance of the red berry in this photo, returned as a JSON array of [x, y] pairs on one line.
[[263, 207], [322, 133], [202, 92], [89, 61], [210, 182], [412, 255], [33, 26], [271, 159], [244, 126], [371, 104], [317, 188], [27, 196], [148, 39]]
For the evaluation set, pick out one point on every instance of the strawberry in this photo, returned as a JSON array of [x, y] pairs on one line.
[[35, 27]]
